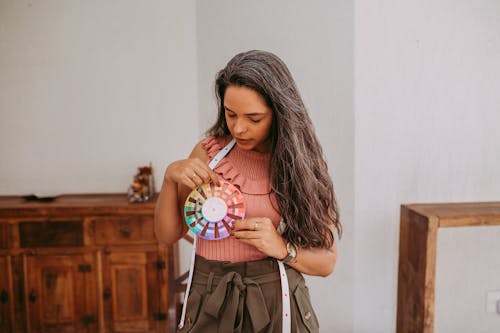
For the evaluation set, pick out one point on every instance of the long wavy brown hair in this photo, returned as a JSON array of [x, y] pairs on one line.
[[298, 171]]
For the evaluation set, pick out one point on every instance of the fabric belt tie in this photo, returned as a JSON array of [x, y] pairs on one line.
[[228, 298]]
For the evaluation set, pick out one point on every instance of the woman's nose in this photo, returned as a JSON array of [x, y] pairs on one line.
[[239, 127]]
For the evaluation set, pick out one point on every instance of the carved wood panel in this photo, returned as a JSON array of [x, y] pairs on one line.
[[58, 293], [132, 292]]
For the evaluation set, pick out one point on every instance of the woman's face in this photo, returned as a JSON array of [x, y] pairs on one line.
[[248, 118]]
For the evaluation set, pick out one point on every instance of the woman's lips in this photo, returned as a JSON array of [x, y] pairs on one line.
[[243, 140]]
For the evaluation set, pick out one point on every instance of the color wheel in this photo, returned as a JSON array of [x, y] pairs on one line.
[[210, 210]]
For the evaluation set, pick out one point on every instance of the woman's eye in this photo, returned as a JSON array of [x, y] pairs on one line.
[[255, 121], [230, 115]]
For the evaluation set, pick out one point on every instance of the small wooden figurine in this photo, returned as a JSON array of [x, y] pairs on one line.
[[142, 188]]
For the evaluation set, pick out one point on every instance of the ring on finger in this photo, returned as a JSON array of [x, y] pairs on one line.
[[255, 226]]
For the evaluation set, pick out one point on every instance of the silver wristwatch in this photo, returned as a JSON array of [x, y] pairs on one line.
[[292, 253]]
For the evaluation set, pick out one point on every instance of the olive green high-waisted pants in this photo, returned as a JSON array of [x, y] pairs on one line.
[[245, 297]]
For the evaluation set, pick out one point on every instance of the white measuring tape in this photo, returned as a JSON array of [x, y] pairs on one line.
[[285, 291]]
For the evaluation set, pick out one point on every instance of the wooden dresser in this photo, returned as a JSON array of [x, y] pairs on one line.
[[84, 263]]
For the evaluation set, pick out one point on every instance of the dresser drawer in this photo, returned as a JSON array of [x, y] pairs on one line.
[[122, 230], [51, 233]]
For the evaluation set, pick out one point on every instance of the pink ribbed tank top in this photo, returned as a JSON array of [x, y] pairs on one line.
[[249, 171]]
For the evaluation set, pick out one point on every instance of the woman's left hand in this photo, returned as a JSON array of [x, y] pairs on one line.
[[261, 233]]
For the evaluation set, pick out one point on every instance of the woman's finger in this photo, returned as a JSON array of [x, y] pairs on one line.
[[253, 224], [201, 173], [189, 182], [214, 178], [209, 174], [248, 241], [243, 224], [196, 179]]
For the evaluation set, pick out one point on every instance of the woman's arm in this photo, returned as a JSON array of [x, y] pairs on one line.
[[314, 261], [261, 233], [180, 178]]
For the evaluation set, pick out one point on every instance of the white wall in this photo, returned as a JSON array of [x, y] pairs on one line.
[[314, 39], [427, 77], [466, 268], [89, 90]]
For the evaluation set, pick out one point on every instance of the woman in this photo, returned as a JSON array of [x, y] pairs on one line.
[[278, 165]]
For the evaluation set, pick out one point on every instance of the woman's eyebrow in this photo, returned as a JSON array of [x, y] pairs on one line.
[[248, 114]]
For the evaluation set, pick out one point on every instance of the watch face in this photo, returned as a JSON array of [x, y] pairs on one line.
[[292, 251]]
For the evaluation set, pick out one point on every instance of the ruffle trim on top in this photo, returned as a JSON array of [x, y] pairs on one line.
[[246, 183]]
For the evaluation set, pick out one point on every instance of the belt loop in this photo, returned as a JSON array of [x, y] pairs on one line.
[[210, 281]]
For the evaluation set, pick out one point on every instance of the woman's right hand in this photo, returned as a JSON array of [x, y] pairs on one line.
[[191, 172]]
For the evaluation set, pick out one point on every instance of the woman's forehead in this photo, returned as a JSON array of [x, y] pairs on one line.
[[242, 99]]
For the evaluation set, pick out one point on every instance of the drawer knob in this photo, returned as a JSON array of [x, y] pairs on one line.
[[125, 232], [87, 320], [32, 296], [106, 294], [4, 297]]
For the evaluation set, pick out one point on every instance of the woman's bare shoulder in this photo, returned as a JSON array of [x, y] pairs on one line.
[[208, 147], [200, 152]]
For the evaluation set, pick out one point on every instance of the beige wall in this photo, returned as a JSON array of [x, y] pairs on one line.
[[427, 76], [89, 90]]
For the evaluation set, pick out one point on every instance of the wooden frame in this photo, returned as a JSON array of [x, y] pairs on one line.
[[417, 255]]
